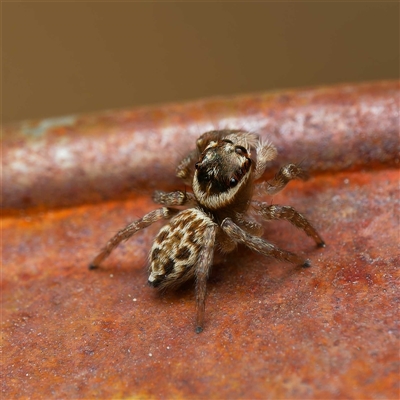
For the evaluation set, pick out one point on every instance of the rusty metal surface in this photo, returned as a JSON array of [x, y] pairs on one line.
[[91, 158], [272, 330]]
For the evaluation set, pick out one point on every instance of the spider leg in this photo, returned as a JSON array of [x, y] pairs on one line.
[[249, 225], [260, 245], [281, 179], [131, 229], [265, 152], [288, 213], [204, 263], [185, 169], [177, 198]]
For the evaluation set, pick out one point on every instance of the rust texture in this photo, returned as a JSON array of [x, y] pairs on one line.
[[91, 158], [272, 330]]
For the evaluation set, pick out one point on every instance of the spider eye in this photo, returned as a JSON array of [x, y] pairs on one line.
[[240, 150], [227, 141], [233, 182]]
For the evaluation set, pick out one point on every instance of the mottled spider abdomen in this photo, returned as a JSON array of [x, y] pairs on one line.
[[176, 248]]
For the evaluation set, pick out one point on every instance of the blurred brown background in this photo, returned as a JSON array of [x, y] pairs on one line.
[[62, 58]]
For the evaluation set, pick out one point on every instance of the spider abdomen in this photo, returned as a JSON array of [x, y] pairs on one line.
[[176, 248]]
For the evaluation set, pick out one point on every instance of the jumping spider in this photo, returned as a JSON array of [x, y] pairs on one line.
[[222, 174]]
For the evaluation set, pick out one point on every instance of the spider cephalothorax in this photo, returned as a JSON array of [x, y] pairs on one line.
[[222, 171]]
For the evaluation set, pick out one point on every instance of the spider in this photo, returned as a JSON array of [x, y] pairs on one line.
[[222, 172]]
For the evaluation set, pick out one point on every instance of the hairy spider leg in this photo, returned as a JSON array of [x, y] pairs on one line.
[[260, 245], [130, 230], [176, 198], [265, 152], [203, 267], [288, 213], [281, 179]]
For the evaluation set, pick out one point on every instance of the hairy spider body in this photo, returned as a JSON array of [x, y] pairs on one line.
[[222, 172], [176, 248]]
